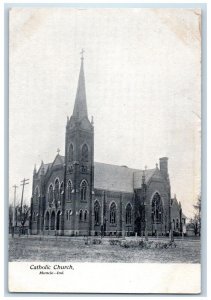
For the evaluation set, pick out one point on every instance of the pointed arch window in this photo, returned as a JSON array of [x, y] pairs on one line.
[[128, 216], [69, 190], [85, 153], [113, 213], [70, 153], [62, 188], [97, 212], [84, 188], [56, 191], [61, 192], [157, 209], [50, 194]]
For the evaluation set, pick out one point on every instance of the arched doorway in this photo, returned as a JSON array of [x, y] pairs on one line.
[[47, 219], [53, 220], [58, 220]]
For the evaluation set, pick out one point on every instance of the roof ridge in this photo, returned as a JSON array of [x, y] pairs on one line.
[[120, 166]]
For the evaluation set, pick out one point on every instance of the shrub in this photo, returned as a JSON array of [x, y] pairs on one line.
[[114, 242], [129, 244], [96, 242], [165, 245], [142, 244], [145, 244], [124, 244]]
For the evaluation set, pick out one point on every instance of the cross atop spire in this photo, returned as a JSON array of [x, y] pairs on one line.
[[58, 150], [80, 107]]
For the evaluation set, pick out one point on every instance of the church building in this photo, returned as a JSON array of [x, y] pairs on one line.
[[74, 195]]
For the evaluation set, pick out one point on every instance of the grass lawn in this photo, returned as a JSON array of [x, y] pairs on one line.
[[70, 249]]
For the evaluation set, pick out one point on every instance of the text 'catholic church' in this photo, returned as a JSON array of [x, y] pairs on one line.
[[74, 195]]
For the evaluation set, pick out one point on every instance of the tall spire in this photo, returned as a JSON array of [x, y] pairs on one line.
[[80, 107]]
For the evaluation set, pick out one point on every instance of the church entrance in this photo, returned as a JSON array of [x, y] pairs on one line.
[[47, 219], [138, 226], [53, 220], [58, 217]]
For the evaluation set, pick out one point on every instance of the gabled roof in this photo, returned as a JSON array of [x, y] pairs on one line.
[[113, 178], [110, 177], [59, 160], [46, 167], [40, 168], [119, 178]]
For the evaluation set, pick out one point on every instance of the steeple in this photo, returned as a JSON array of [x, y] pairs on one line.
[[80, 107]]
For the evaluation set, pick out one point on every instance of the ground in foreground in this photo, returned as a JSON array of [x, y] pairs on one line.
[[69, 249]]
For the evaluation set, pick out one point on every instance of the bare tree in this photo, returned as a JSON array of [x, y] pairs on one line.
[[23, 214], [20, 218], [197, 217], [10, 217]]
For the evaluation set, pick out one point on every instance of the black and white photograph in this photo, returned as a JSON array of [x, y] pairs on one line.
[[104, 149]]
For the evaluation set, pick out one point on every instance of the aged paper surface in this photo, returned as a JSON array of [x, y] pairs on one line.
[[104, 133], [115, 278]]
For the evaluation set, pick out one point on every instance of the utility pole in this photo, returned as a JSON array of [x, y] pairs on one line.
[[13, 217], [24, 182]]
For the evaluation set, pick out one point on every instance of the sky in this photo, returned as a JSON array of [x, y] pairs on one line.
[[143, 87]]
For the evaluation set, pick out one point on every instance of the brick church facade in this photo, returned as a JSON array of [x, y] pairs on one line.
[[74, 195]]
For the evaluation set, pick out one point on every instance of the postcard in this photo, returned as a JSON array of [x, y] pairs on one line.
[[104, 150]]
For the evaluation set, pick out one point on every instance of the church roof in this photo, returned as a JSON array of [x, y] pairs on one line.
[[59, 160], [110, 177], [119, 178], [43, 167], [46, 167], [113, 178]]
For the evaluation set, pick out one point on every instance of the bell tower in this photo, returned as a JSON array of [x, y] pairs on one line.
[[79, 164]]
